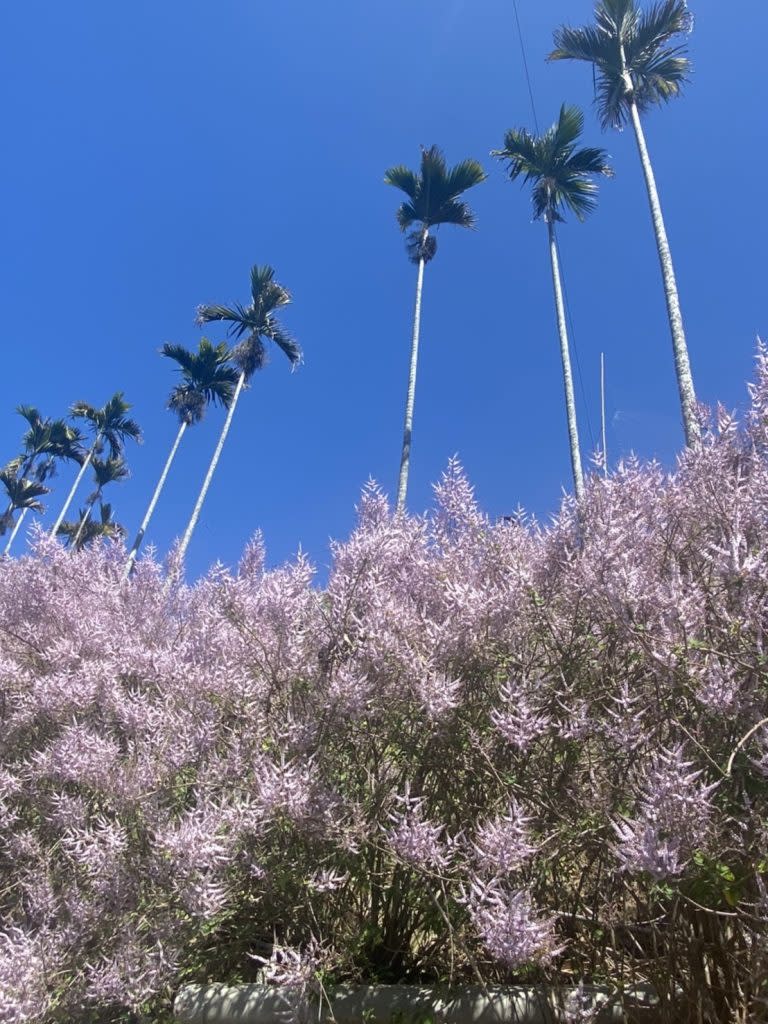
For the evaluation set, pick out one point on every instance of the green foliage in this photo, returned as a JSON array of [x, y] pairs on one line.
[[633, 54], [562, 175]]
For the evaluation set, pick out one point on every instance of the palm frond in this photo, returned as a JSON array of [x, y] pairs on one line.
[[454, 211], [562, 176], [249, 324], [286, 344], [629, 48], [180, 355], [109, 471], [403, 178], [463, 176], [30, 414], [587, 44], [407, 215]]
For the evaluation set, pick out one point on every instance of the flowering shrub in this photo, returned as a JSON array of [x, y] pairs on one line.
[[482, 750]]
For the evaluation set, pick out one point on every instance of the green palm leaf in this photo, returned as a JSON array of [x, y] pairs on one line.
[[631, 52], [562, 175], [433, 197], [250, 324]]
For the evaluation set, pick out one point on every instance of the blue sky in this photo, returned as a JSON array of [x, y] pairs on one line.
[[155, 150]]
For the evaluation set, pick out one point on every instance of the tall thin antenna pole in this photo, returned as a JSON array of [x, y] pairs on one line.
[[602, 413]]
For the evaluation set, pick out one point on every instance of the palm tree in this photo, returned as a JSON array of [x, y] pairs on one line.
[[105, 471], [110, 424], [433, 199], [80, 535], [44, 441], [250, 325], [562, 176], [22, 494], [639, 66], [206, 378]]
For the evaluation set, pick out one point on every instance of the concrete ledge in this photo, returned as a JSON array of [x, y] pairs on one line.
[[408, 1004]]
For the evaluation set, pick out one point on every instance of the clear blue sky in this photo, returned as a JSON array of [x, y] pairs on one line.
[[155, 150]]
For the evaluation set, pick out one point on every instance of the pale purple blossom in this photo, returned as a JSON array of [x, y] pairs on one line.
[[509, 926], [416, 840], [518, 719], [502, 844]]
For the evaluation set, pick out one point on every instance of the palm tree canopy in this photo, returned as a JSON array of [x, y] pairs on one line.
[[433, 197], [109, 471], [111, 421], [93, 529], [207, 377], [562, 174], [22, 493], [633, 52], [252, 323], [55, 439]]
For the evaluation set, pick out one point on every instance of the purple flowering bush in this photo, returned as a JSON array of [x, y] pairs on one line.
[[483, 751]]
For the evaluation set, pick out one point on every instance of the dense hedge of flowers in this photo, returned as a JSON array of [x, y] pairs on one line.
[[491, 751]]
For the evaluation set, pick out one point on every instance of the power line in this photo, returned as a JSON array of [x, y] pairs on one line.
[[525, 64]]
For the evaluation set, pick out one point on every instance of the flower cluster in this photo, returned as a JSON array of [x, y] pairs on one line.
[[479, 746]]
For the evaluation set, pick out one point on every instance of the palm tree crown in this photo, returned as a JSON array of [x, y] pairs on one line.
[[48, 439], [21, 492], [111, 423], [562, 174], [252, 323], [206, 377], [79, 534], [633, 53], [111, 470], [433, 198]]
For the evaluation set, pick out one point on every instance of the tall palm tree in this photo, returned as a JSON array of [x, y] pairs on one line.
[[44, 441], [433, 199], [22, 494], [111, 425], [105, 471], [79, 535], [563, 177], [250, 325], [639, 66], [206, 378]]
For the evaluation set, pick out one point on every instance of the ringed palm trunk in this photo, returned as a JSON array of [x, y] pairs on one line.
[[15, 530], [75, 485], [679, 346], [211, 469], [570, 400], [133, 554], [405, 457]]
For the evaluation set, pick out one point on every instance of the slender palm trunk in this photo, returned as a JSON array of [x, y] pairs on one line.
[[570, 400], [211, 469], [405, 457], [84, 520], [15, 530], [679, 347], [133, 554], [75, 485]]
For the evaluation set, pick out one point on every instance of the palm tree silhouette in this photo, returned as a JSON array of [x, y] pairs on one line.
[[206, 378], [638, 67], [563, 177], [250, 325], [111, 425], [433, 199]]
